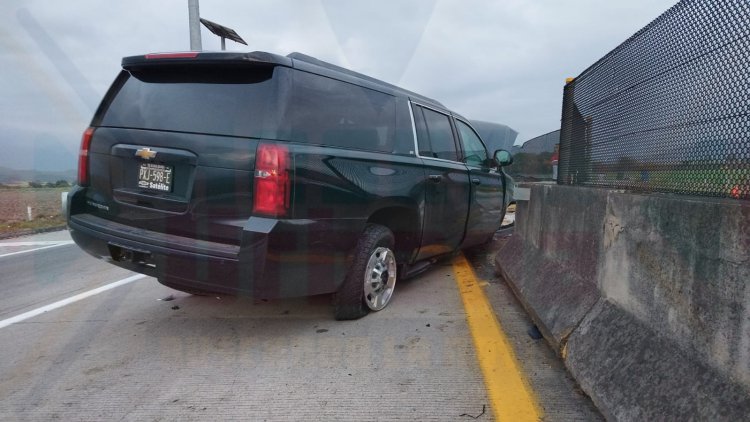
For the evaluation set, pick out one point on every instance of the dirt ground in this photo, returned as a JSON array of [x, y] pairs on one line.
[[46, 210], [44, 202]]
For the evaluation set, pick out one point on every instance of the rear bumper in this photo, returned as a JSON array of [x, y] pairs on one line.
[[275, 258]]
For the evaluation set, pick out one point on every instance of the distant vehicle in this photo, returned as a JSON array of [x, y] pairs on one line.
[[272, 176]]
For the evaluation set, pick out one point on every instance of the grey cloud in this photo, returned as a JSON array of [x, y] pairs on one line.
[[379, 38], [497, 61]]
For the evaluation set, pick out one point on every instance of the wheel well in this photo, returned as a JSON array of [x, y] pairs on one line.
[[404, 223]]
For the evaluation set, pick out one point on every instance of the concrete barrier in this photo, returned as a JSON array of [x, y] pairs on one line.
[[645, 297]]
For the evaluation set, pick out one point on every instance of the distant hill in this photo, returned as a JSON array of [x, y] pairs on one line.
[[8, 175]]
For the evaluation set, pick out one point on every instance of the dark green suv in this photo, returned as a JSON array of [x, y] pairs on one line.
[[278, 176]]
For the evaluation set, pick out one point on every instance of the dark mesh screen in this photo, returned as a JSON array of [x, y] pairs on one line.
[[669, 109]]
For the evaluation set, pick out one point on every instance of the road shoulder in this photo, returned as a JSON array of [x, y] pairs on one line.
[[558, 394]]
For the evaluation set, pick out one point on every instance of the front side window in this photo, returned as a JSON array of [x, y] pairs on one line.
[[474, 150]]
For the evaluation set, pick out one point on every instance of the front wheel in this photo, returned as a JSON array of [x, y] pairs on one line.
[[370, 280]]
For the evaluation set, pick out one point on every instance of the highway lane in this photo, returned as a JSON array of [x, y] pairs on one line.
[[43, 276], [128, 354], [125, 354]]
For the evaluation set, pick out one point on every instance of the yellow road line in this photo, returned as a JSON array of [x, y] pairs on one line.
[[510, 394]]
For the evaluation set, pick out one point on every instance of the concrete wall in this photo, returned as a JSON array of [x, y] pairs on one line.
[[646, 297]]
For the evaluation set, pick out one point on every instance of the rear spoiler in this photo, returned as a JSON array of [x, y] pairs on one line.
[[199, 58]]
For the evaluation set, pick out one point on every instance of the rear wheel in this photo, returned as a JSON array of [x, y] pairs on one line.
[[371, 279]]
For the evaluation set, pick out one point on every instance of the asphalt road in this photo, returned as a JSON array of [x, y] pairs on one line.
[[35, 277], [142, 351]]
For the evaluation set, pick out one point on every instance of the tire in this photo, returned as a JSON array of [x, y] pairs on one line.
[[371, 278]]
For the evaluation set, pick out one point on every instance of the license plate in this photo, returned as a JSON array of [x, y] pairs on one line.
[[155, 177]]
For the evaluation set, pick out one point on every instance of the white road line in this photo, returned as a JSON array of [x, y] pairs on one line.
[[62, 243], [59, 304], [37, 243]]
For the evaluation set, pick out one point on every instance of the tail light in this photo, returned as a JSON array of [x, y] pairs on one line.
[[83, 157], [272, 181]]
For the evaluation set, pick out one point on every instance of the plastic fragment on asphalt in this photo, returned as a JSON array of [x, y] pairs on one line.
[[534, 332]]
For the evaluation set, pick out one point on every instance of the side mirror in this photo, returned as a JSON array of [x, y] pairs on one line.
[[503, 158]]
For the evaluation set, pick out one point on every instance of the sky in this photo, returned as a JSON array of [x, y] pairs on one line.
[[499, 61]]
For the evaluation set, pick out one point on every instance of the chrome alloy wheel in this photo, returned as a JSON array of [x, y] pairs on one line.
[[380, 278]]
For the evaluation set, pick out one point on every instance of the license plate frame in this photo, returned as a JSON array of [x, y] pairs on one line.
[[156, 177]]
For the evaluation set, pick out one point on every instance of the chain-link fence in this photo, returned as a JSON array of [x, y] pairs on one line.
[[669, 109]]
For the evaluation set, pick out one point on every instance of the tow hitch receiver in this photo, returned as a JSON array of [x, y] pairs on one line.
[[121, 253]]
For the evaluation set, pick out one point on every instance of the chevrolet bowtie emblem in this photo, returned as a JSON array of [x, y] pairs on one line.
[[145, 153]]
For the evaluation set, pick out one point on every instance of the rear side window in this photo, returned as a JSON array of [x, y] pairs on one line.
[[222, 101], [434, 134], [423, 139], [330, 112]]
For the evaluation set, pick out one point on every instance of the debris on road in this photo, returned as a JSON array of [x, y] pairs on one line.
[[534, 332], [484, 407]]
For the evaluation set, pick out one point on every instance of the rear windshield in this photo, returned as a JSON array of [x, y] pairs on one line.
[[223, 101], [270, 103]]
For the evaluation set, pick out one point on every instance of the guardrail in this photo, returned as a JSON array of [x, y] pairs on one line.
[[645, 297]]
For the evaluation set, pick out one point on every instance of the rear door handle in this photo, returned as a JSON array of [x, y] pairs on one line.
[[436, 178], [476, 181]]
